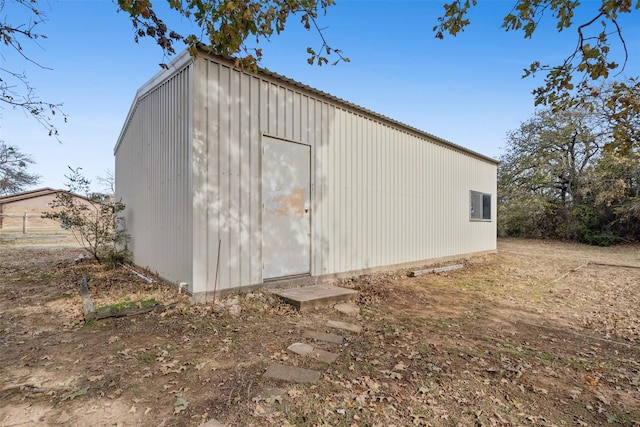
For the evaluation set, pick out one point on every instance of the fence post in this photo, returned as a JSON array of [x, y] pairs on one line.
[[24, 224]]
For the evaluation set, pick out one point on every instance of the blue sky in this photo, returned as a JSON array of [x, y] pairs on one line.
[[466, 89]]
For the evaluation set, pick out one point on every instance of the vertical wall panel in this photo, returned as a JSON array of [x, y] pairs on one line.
[[153, 178], [255, 233]]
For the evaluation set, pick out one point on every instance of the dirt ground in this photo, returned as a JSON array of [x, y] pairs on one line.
[[541, 333]]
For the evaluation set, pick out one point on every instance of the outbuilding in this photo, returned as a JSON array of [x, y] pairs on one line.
[[23, 212], [233, 179]]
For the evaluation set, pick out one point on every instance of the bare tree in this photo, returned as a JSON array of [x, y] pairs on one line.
[[13, 170], [107, 183], [15, 89]]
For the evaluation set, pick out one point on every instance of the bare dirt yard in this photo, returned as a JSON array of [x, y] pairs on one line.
[[541, 333]]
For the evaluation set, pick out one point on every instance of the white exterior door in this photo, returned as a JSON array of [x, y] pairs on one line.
[[286, 219]]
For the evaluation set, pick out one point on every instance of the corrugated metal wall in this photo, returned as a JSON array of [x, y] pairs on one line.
[[380, 195], [388, 196], [153, 177], [226, 178]]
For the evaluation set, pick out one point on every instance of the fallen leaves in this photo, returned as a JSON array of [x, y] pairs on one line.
[[430, 355], [180, 405], [591, 381]]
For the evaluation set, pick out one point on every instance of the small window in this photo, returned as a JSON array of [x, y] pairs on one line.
[[480, 205]]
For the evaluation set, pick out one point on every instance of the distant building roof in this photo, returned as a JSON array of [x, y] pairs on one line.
[[34, 193]]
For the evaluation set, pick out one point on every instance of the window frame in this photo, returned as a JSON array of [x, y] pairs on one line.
[[485, 201]]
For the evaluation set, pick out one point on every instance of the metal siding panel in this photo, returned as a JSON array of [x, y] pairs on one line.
[[305, 134], [272, 118], [211, 200], [387, 251], [345, 207], [321, 242], [337, 182], [290, 115], [224, 180], [245, 190], [367, 187], [234, 179], [306, 118], [375, 202], [199, 174], [281, 108], [296, 122], [347, 203], [357, 154], [255, 218]]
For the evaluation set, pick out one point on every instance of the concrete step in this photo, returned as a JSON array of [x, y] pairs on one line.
[[307, 297]]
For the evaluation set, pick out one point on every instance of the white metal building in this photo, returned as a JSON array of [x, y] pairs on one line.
[[232, 179]]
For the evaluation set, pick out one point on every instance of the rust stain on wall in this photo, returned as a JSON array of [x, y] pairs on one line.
[[291, 204], [296, 201], [280, 205]]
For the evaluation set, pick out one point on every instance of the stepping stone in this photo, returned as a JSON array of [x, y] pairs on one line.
[[306, 350], [346, 308], [321, 336], [300, 348], [212, 423], [272, 392], [343, 325], [323, 356], [292, 374], [277, 398]]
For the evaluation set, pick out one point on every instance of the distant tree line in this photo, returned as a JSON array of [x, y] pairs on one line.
[[574, 174]]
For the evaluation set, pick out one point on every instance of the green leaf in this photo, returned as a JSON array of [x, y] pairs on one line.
[[180, 405], [77, 393]]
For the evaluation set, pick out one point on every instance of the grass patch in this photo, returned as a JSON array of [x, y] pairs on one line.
[[89, 323], [146, 358]]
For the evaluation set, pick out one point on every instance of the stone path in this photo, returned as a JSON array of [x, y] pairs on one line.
[[298, 375], [305, 350]]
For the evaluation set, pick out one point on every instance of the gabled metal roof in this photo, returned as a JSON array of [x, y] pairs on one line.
[[185, 58]]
